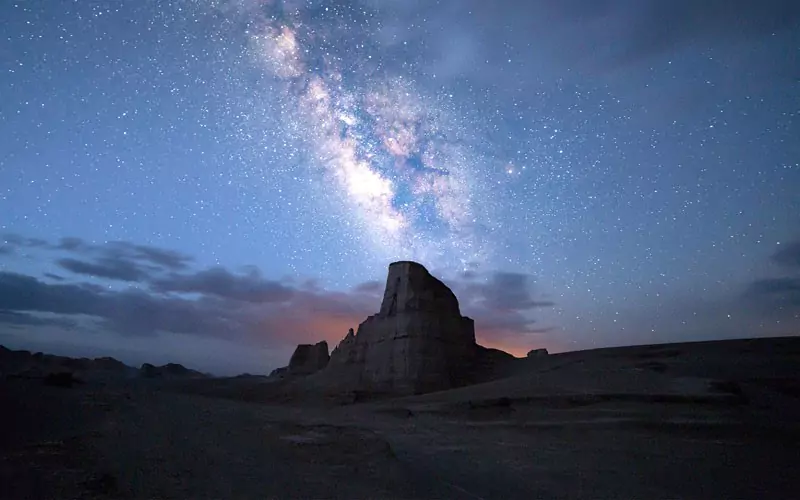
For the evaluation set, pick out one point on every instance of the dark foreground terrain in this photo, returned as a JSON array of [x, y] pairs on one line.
[[702, 420]]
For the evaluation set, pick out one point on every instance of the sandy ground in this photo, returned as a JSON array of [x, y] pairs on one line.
[[641, 423]]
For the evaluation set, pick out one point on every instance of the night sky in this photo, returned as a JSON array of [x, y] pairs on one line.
[[211, 182]]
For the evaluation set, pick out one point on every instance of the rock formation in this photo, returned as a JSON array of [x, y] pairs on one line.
[[345, 353], [306, 359], [170, 370], [52, 368], [537, 353], [27, 365], [418, 342], [279, 372], [147, 370]]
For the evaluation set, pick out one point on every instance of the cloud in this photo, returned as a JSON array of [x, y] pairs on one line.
[[14, 240], [267, 314], [767, 306], [19, 292], [115, 260], [242, 307], [72, 244], [27, 319], [168, 259], [788, 255], [502, 305], [659, 26], [108, 267], [139, 313], [774, 286], [468, 275], [610, 42], [129, 311], [597, 34], [369, 287], [11, 242], [779, 293], [506, 291], [630, 30], [169, 298], [158, 258], [222, 283]]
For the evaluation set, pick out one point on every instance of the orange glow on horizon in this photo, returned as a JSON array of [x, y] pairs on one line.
[[330, 328], [514, 350], [333, 328], [517, 344]]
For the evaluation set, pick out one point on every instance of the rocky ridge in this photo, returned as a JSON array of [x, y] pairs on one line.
[[54, 368]]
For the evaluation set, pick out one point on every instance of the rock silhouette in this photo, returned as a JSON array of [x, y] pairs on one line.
[[306, 359], [537, 353], [309, 358], [170, 370], [418, 342]]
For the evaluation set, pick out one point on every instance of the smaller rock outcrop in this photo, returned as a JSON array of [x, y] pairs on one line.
[[306, 359], [27, 365], [149, 371], [345, 353], [279, 372], [109, 364], [170, 370], [537, 353], [55, 370]]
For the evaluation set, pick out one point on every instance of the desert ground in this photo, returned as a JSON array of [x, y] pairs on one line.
[[696, 420]]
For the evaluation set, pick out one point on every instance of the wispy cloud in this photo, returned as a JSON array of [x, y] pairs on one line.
[[779, 296], [106, 267], [788, 255], [220, 282], [245, 307]]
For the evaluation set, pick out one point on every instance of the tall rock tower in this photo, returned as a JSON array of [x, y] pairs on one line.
[[418, 342]]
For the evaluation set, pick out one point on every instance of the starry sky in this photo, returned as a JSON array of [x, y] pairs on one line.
[[212, 182]]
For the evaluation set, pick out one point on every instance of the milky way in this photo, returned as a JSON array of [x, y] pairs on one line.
[[396, 164]]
